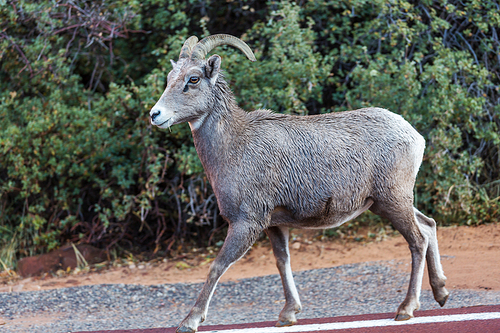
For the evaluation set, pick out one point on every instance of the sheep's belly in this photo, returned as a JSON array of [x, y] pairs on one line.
[[282, 217]]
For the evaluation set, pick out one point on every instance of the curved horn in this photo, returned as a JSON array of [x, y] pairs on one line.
[[207, 44], [188, 47]]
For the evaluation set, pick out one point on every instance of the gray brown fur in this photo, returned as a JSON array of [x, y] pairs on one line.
[[272, 171]]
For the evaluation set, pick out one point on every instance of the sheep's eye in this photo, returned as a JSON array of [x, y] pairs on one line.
[[194, 79]]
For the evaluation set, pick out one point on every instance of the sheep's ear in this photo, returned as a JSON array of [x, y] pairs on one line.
[[173, 63], [213, 67]]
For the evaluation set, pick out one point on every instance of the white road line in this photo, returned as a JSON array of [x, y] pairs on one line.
[[365, 323]]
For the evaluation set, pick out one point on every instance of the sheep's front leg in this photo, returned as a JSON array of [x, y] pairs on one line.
[[238, 240], [279, 240]]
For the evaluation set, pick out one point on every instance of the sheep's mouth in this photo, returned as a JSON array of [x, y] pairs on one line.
[[167, 123]]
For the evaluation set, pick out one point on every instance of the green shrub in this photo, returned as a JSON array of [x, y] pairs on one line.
[[80, 162], [436, 63]]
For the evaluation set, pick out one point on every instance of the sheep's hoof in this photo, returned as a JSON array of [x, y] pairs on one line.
[[402, 316], [185, 329], [287, 322], [442, 302]]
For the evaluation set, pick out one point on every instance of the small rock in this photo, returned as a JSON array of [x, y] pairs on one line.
[[296, 246], [59, 259]]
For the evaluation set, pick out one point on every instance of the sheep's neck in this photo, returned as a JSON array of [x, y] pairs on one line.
[[218, 138]]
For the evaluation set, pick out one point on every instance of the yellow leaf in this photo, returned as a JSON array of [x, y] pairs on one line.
[[182, 265]]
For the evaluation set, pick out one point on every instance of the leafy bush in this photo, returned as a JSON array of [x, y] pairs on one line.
[[80, 161], [437, 64]]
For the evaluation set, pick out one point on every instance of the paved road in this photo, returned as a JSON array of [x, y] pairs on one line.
[[482, 319]]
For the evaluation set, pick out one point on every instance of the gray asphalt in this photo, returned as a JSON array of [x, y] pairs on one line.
[[344, 290]]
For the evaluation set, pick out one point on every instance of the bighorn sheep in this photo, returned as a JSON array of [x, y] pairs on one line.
[[272, 171]]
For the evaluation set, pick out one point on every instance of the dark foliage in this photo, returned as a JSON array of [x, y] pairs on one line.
[[80, 162]]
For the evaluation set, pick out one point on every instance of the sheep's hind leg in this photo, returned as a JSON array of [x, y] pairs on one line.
[[279, 241], [436, 274], [239, 239], [404, 220]]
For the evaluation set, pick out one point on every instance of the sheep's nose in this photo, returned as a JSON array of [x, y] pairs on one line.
[[155, 114]]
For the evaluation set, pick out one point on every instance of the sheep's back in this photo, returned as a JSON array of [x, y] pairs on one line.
[[343, 158]]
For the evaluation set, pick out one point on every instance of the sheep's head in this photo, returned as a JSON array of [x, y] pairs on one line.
[[191, 81]]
